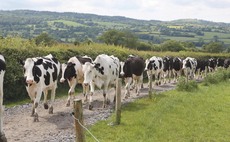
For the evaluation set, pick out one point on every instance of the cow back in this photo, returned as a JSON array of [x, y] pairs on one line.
[[134, 65]]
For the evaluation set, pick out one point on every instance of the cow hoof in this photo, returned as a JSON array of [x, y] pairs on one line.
[[36, 117], [46, 106], [108, 102], [90, 107], [51, 110], [85, 100], [2, 137], [142, 86], [32, 114], [68, 104]]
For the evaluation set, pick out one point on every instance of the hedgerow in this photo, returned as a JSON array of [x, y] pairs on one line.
[[16, 48]]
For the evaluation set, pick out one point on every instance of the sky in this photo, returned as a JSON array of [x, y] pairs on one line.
[[164, 10]]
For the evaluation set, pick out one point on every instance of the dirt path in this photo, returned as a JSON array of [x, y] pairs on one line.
[[59, 127]]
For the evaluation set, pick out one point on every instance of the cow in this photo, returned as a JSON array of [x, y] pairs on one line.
[[189, 67], [154, 66], [103, 71], [132, 70], [167, 68], [2, 73], [211, 64], [226, 63], [202, 66], [72, 72], [177, 68], [41, 75], [219, 63]]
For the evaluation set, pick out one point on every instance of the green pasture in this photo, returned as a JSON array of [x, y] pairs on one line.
[[66, 22], [111, 24], [175, 116]]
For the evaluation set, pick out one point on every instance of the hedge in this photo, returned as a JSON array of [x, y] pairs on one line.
[[14, 88]]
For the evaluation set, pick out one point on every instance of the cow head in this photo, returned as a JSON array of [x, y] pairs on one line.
[[147, 65], [166, 63], [212, 63], [32, 72], [68, 71], [88, 70]]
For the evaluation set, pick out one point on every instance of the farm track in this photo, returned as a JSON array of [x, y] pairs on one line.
[[59, 127]]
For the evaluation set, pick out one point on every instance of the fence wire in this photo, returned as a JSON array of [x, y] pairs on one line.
[[84, 127]]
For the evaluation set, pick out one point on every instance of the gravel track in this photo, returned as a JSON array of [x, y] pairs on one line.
[[59, 127]]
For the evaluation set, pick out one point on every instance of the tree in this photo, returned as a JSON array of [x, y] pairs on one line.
[[119, 38], [214, 47], [172, 45], [44, 39], [112, 37]]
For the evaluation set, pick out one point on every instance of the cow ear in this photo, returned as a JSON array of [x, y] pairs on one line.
[[70, 64], [39, 62], [22, 62], [97, 65]]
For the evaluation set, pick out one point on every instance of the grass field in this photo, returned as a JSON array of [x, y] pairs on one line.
[[68, 23], [202, 116]]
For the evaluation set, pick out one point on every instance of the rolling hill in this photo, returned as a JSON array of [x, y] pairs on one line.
[[69, 27]]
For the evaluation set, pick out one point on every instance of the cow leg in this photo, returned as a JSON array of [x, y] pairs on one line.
[[53, 94], [85, 91], [92, 88], [2, 137], [36, 101], [127, 87], [45, 99], [141, 81], [70, 96], [68, 99], [105, 91], [1, 108], [71, 91]]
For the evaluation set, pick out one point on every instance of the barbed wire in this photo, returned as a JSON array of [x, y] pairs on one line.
[[72, 114]]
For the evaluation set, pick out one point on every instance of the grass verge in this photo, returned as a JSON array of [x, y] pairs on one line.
[[176, 116]]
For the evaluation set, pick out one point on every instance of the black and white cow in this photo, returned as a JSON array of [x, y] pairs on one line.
[[167, 68], [211, 64], [132, 70], [189, 67], [72, 72], [102, 72], [154, 66], [41, 75], [226, 63], [177, 68], [2, 72], [220, 62], [202, 66]]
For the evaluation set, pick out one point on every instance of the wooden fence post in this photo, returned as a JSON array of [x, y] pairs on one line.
[[118, 101], [78, 114]]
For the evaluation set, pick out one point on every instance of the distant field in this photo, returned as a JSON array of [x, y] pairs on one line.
[[65, 22], [111, 24]]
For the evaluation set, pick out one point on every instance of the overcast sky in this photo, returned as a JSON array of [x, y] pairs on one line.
[[165, 10]]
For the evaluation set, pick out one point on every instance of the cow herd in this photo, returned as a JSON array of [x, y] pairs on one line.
[[41, 75]]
